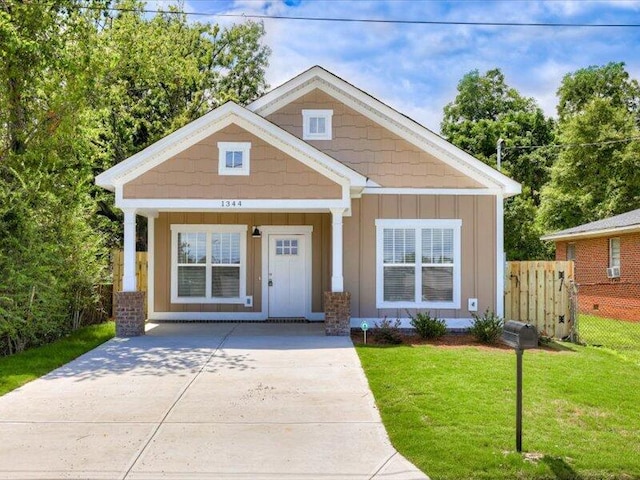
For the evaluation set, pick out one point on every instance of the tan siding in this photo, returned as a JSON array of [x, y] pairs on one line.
[[369, 149], [478, 241], [321, 260], [194, 174]]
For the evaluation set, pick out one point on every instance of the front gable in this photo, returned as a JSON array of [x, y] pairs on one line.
[[194, 173], [369, 148]]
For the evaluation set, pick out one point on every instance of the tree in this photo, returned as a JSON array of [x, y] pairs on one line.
[[485, 110], [598, 172]]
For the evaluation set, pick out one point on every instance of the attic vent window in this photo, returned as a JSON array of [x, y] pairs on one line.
[[233, 158], [316, 124]]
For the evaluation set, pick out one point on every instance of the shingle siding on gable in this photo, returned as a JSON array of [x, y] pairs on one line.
[[194, 174], [370, 149]]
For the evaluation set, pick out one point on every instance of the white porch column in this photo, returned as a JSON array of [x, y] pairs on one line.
[[337, 280], [129, 270], [500, 257]]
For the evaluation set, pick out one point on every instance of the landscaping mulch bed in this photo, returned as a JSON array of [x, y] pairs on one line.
[[452, 340]]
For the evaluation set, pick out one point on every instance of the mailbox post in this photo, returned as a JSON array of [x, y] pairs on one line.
[[520, 336]]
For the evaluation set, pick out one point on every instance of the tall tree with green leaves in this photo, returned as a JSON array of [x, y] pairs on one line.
[[597, 173], [485, 110]]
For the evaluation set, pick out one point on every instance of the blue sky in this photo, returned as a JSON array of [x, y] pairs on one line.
[[416, 68]]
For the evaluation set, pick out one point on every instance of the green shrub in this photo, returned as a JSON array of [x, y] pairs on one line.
[[427, 326], [487, 328], [387, 332]]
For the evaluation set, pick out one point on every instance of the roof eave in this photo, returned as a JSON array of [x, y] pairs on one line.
[[559, 237]]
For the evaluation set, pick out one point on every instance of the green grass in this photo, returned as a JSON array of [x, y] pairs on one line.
[[24, 367], [451, 411], [609, 332]]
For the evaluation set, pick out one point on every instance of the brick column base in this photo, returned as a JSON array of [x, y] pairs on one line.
[[129, 314], [337, 313]]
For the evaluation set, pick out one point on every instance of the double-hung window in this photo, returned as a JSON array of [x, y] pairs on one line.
[[614, 252], [418, 263], [208, 263]]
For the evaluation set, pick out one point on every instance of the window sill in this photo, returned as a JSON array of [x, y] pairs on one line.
[[206, 300], [420, 305]]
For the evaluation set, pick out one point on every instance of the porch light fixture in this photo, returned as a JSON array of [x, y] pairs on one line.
[[256, 233]]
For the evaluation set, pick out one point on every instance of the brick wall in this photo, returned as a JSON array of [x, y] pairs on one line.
[[597, 294], [337, 313], [129, 314]]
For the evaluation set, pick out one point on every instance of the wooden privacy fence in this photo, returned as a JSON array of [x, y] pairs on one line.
[[540, 293], [117, 268]]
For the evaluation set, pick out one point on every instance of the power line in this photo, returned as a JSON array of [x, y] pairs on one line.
[[566, 145], [371, 20]]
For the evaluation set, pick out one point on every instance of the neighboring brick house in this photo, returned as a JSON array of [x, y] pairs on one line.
[[607, 264], [316, 201]]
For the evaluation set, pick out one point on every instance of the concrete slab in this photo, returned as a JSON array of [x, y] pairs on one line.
[[202, 401]]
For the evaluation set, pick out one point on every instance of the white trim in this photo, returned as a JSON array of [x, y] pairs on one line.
[[199, 316], [553, 237], [375, 110], [218, 204], [418, 224], [430, 191], [267, 230], [307, 115], [214, 121], [151, 266], [611, 265], [405, 322], [208, 229], [500, 257], [129, 277], [225, 147]]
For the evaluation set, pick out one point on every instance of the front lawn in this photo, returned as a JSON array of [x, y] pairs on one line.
[[451, 411], [21, 368]]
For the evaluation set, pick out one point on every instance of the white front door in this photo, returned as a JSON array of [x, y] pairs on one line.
[[287, 276]]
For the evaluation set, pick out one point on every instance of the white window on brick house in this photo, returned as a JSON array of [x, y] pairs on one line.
[[233, 158], [316, 124], [208, 263], [418, 263], [571, 251], [614, 252]]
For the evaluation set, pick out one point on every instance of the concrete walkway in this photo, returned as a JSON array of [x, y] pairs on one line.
[[202, 401]]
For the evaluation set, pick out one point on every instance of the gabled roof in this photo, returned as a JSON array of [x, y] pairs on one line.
[[625, 222], [377, 111], [227, 114]]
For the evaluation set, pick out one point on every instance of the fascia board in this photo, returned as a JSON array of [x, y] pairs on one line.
[[389, 118], [592, 234]]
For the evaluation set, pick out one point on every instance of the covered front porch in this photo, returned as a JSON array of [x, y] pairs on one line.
[[234, 265]]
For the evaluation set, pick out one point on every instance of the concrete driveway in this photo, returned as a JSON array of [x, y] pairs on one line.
[[202, 401]]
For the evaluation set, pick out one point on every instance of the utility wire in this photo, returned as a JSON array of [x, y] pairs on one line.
[[372, 20], [566, 145]]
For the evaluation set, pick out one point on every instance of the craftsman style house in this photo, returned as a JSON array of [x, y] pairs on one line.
[[315, 201]]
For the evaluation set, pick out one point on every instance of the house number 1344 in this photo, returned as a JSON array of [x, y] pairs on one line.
[[231, 203]]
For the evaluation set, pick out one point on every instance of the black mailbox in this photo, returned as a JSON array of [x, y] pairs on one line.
[[520, 335]]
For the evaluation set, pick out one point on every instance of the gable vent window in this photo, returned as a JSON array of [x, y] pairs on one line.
[[316, 124], [233, 158]]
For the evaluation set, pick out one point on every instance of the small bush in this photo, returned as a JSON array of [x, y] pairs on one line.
[[387, 332], [487, 328], [427, 326]]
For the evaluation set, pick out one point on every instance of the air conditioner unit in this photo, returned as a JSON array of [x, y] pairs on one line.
[[613, 272]]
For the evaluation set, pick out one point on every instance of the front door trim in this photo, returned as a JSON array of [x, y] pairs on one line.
[[268, 230]]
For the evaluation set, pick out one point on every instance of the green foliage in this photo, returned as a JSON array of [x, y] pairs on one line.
[[486, 328], [598, 174], [80, 90], [387, 332], [485, 110], [427, 326]]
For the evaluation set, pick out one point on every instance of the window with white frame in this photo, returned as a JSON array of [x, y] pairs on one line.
[[316, 124], [614, 252], [418, 263], [208, 263], [233, 158]]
